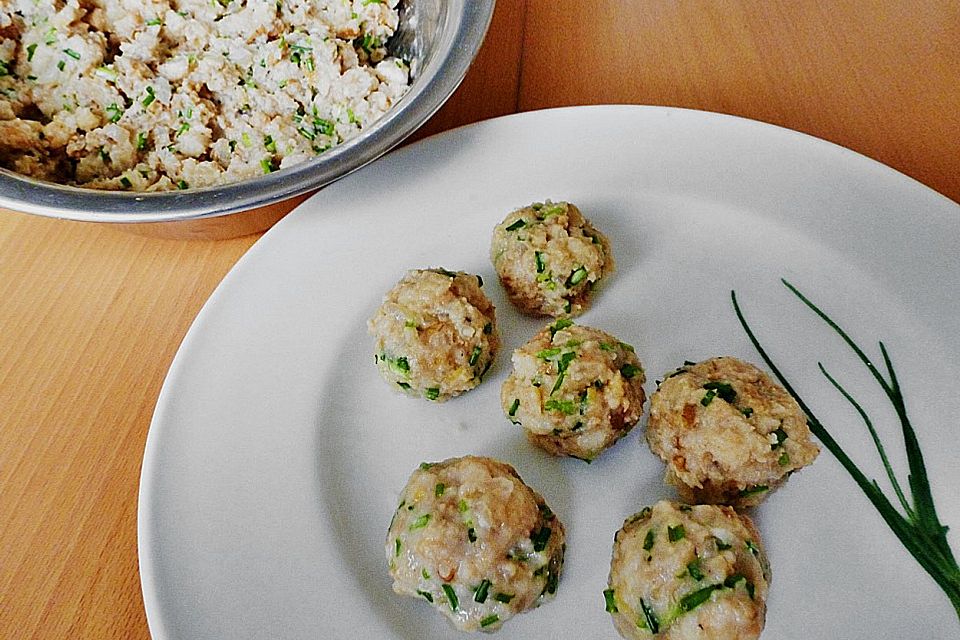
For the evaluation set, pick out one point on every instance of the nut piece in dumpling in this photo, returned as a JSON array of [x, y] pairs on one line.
[[575, 390], [436, 334], [728, 433], [470, 538], [683, 572], [549, 259]]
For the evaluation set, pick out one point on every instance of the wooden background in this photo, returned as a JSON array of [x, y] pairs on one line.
[[91, 316]]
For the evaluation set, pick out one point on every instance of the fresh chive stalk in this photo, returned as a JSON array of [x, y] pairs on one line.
[[918, 528]]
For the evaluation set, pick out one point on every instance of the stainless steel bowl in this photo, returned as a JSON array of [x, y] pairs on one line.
[[442, 37]]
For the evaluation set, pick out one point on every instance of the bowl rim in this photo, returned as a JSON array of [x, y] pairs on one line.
[[448, 62]]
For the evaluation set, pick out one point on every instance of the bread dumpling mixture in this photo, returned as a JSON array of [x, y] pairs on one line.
[[436, 334], [549, 258], [682, 572], [475, 542], [727, 432], [574, 389]]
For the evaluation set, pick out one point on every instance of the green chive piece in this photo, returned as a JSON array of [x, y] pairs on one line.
[[693, 600], [60, 65], [462, 506], [480, 593], [73, 54], [540, 539], [724, 389], [505, 598], [267, 165], [610, 602], [125, 181], [439, 489], [514, 407], [269, 144], [546, 354], [420, 522], [629, 370], [451, 596], [432, 393], [149, 98], [648, 540], [156, 22], [566, 407], [475, 355], [752, 491], [472, 534], [781, 436], [708, 398], [538, 260], [182, 184], [489, 620], [519, 224], [676, 533], [31, 49], [397, 544], [141, 141], [754, 549], [693, 568], [578, 276], [722, 546], [784, 459], [426, 465], [747, 412], [426, 594], [649, 617], [559, 325], [732, 580]]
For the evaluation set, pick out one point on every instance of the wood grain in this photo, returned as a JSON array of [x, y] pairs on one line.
[[91, 315], [881, 77]]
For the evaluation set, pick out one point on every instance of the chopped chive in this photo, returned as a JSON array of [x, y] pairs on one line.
[[752, 491], [420, 522], [513, 407], [73, 54], [649, 618], [519, 224], [505, 598], [578, 276], [610, 602], [462, 506], [723, 389], [60, 65], [693, 568], [183, 184], [648, 540], [426, 594], [426, 465], [492, 618], [432, 393], [480, 593], [439, 489], [722, 546], [708, 398], [732, 580], [538, 260], [629, 370], [474, 356], [106, 73], [676, 533], [754, 549], [425, 574], [141, 141], [560, 324], [472, 534], [323, 126], [31, 49], [784, 459], [403, 385], [155, 22], [451, 596], [781, 435], [747, 412], [566, 407], [488, 328], [606, 346], [540, 539], [150, 97], [125, 181], [693, 600], [269, 144], [397, 545], [546, 354], [267, 165], [245, 138]]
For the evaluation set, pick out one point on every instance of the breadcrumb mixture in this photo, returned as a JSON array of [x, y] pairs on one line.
[[151, 95]]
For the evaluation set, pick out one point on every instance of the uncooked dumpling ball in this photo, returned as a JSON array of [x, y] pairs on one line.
[[549, 259], [727, 432], [470, 539], [682, 572], [436, 334]]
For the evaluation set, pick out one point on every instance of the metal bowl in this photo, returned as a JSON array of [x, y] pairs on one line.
[[442, 38]]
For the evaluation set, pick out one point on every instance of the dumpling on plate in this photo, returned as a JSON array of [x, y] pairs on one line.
[[473, 541], [436, 334], [727, 432], [681, 572], [549, 259], [575, 390]]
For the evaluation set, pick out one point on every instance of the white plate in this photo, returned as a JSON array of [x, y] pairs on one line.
[[276, 454]]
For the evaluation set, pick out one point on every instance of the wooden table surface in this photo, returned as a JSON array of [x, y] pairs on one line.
[[91, 316]]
